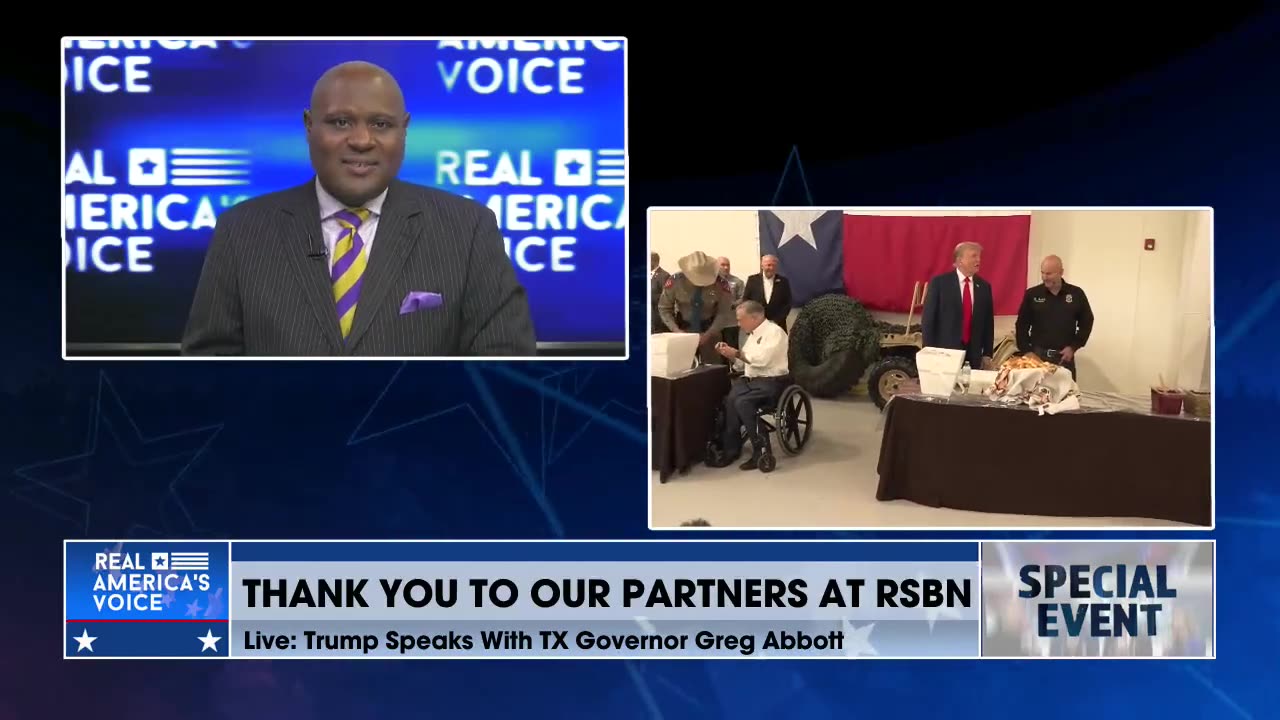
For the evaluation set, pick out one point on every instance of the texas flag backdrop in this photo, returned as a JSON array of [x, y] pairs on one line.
[[877, 259], [884, 255], [808, 246]]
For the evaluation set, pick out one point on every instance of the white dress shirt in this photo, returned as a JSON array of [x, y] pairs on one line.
[[768, 287], [763, 351], [960, 275], [333, 229]]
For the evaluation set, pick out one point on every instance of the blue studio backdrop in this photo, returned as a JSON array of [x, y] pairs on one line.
[[161, 137]]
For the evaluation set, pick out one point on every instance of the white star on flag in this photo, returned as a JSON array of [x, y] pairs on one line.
[[209, 642], [857, 641], [85, 642], [797, 224]]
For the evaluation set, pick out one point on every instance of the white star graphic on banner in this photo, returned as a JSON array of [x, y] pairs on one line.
[[931, 614], [797, 224], [858, 640], [86, 642], [209, 642]]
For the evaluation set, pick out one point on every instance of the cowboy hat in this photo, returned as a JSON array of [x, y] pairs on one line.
[[701, 269]]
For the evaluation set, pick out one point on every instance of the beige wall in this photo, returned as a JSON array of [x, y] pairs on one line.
[[734, 234], [1153, 308]]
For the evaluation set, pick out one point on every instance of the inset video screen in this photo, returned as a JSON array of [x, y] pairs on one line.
[[162, 137]]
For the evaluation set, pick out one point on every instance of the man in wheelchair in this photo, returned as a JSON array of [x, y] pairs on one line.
[[762, 359]]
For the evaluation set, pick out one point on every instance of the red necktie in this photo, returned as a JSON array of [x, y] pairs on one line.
[[967, 303]]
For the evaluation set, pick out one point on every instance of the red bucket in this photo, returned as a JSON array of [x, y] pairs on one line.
[[1164, 402]]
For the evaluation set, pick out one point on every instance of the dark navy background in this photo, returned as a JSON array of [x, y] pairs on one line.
[[1061, 110]]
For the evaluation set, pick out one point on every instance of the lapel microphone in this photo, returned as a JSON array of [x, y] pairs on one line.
[[323, 252]]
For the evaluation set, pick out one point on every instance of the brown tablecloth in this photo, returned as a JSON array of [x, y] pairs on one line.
[[1108, 460], [684, 409]]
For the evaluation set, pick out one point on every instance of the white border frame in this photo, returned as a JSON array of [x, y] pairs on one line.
[[978, 605], [65, 41], [1213, 372]]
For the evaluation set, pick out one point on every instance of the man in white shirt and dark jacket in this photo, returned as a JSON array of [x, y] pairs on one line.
[[771, 290], [762, 358]]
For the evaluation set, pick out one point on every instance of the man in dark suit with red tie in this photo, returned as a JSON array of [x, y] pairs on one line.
[[959, 313]]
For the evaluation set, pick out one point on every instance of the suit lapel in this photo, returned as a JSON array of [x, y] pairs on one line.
[[957, 292], [396, 235], [304, 237]]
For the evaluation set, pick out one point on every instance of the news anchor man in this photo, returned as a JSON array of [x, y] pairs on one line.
[[959, 313], [356, 261]]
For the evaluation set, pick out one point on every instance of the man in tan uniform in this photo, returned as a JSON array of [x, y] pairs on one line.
[[693, 301]]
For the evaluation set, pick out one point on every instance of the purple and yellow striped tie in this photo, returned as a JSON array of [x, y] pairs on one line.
[[349, 260]]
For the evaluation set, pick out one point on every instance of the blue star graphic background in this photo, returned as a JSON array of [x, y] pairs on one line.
[[123, 483], [405, 473], [572, 411]]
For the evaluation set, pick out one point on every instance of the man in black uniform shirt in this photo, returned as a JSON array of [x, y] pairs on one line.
[[1055, 320]]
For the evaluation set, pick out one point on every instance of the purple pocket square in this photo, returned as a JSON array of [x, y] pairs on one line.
[[415, 301]]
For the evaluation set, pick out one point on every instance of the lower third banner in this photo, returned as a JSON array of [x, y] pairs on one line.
[[532, 600], [715, 599]]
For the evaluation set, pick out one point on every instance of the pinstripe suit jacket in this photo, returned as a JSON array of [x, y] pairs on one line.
[[265, 290]]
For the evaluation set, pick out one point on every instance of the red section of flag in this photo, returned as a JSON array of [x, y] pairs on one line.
[[884, 255]]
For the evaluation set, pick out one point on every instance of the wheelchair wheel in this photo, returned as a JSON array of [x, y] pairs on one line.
[[794, 419], [767, 463]]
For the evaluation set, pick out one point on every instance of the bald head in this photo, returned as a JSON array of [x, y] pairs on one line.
[[360, 72], [723, 263], [356, 129], [1051, 273]]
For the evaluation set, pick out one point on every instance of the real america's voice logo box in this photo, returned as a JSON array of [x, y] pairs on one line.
[[146, 599]]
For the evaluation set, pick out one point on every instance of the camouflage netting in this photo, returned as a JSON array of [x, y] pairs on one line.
[[833, 342], [892, 329]]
